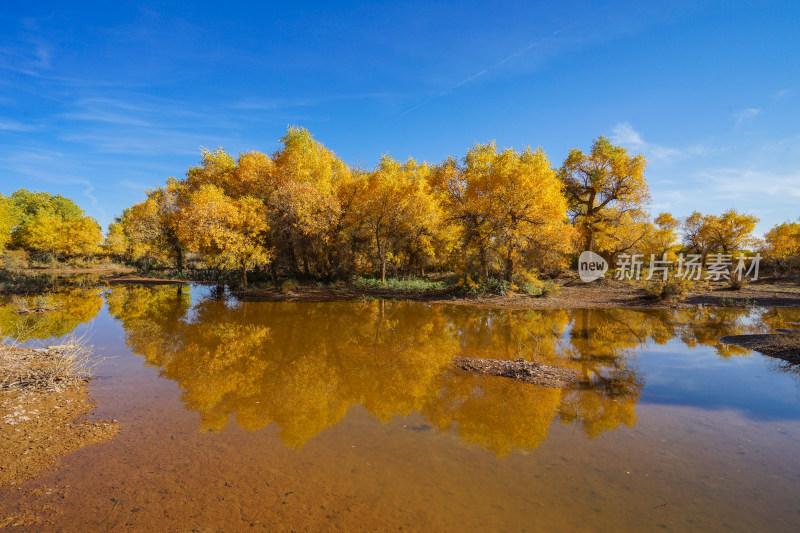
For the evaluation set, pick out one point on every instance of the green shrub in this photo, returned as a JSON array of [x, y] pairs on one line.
[[288, 285], [413, 284], [539, 288]]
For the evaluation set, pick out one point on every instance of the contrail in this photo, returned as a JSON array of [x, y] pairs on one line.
[[477, 75]]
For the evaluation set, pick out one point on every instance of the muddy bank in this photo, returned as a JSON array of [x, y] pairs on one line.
[[568, 293], [783, 344], [43, 414], [537, 374], [140, 280]]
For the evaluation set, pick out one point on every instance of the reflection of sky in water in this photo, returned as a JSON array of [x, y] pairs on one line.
[[677, 375]]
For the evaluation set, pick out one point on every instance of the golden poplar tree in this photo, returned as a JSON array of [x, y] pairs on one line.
[[227, 232], [602, 188]]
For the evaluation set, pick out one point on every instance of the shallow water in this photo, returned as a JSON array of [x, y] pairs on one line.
[[347, 416]]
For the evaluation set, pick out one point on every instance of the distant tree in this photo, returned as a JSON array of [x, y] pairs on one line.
[[147, 231], [734, 230], [510, 207], [304, 203], [399, 212], [9, 217], [782, 246], [53, 225], [725, 233]]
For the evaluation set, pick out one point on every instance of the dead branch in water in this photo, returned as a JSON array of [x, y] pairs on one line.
[[538, 374]]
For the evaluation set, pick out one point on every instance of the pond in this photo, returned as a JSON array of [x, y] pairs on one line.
[[350, 416]]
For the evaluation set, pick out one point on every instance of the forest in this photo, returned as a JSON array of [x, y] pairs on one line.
[[493, 215]]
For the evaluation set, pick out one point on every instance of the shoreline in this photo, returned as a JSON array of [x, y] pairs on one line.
[[605, 295], [567, 292], [44, 415], [783, 344]]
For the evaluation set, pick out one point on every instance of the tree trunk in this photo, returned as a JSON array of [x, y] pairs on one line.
[[293, 258], [380, 254], [244, 274], [273, 270], [484, 262], [509, 267]]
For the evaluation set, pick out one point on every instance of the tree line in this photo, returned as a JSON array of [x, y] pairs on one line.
[[303, 212]]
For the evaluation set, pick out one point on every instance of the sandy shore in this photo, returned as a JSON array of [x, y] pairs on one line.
[[41, 420]]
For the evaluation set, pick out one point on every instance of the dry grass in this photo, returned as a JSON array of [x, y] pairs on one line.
[[37, 304], [48, 368]]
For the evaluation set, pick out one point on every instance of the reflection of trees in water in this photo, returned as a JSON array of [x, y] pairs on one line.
[[302, 365], [705, 325], [780, 318], [60, 313], [497, 414]]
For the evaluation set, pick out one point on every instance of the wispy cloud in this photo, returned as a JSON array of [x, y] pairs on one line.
[[12, 125], [272, 104], [482, 72], [745, 115], [133, 185], [783, 93], [624, 134], [751, 183], [87, 192]]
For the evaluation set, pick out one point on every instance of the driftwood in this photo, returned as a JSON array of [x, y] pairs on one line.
[[543, 375]]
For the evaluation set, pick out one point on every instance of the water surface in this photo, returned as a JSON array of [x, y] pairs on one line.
[[348, 415]]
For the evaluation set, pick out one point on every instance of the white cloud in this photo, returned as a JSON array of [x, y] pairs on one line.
[[624, 134]]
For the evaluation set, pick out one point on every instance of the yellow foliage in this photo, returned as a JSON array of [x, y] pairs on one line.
[[228, 232], [9, 216], [728, 232], [782, 246], [601, 187]]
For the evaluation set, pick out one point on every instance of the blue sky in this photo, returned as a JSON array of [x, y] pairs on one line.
[[99, 101]]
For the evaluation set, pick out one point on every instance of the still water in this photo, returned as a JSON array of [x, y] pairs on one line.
[[284, 416]]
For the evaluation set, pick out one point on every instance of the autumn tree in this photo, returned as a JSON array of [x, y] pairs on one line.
[[511, 207], [148, 231], [53, 225], [726, 233], [734, 230], [602, 188], [307, 213], [467, 210], [782, 246], [9, 216], [663, 238], [226, 231], [399, 211], [698, 234]]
